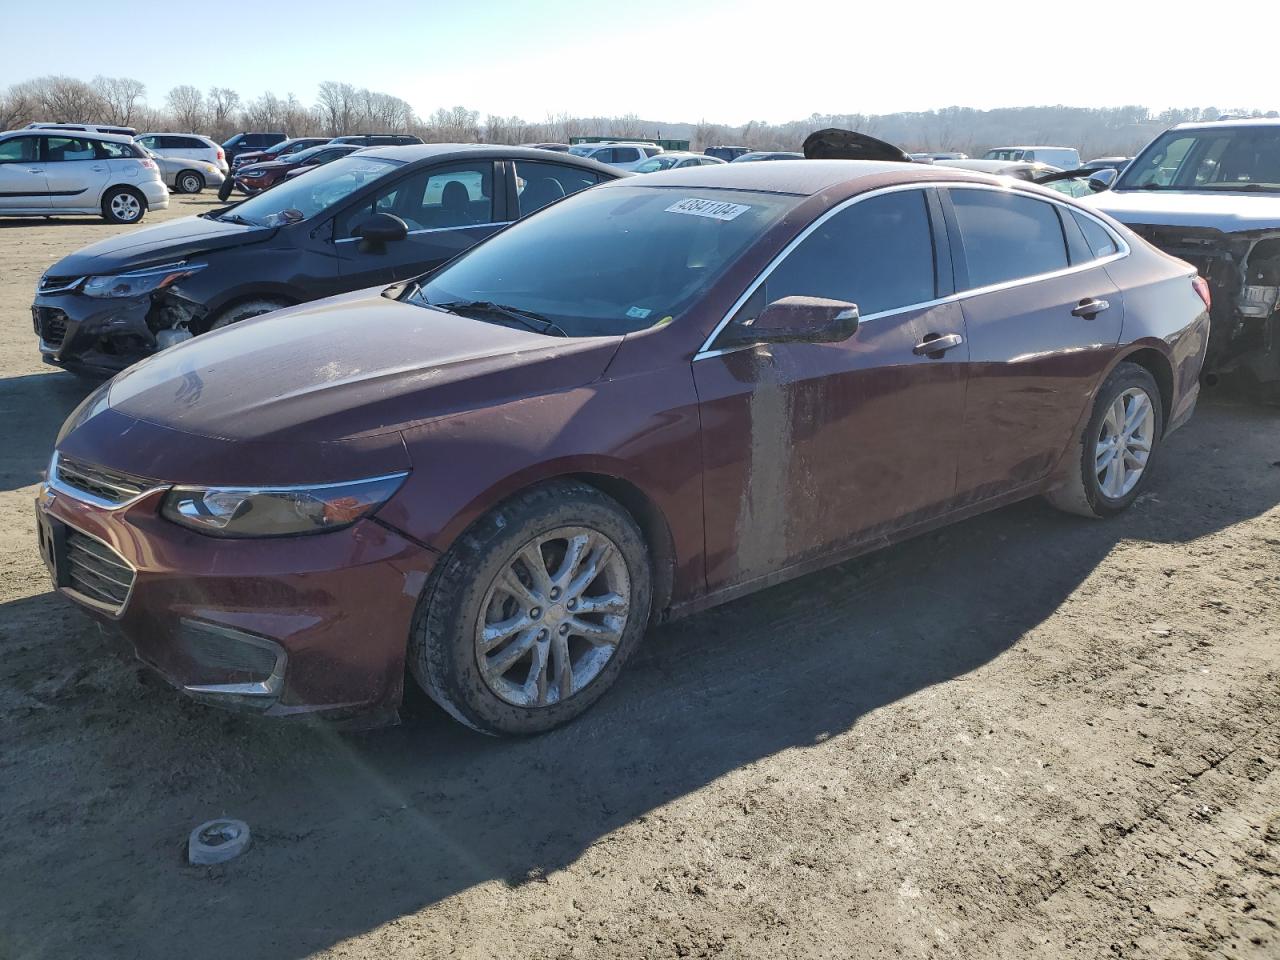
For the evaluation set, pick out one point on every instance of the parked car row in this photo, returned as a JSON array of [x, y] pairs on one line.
[[505, 444]]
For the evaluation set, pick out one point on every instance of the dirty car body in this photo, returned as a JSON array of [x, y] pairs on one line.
[[121, 299], [1209, 193], [619, 341]]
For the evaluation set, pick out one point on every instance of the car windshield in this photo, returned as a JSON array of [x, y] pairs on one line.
[[1003, 155], [583, 151], [1216, 159], [303, 197], [609, 261]]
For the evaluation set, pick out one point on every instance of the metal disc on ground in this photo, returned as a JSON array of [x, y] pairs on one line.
[[217, 842]]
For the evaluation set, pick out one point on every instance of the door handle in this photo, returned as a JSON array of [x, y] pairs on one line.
[[1090, 308], [34, 170], [935, 345]]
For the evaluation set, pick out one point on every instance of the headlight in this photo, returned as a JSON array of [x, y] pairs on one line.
[[137, 282], [251, 174], [277, 511]]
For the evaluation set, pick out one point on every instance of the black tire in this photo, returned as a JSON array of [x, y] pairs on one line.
[[225, 188], [1082, 493], [243, 311], [123, 205], [442, 646], [189, 181]]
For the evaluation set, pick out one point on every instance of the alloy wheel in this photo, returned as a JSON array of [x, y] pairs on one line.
[[125, 206], [553, 617], [1124, 442]]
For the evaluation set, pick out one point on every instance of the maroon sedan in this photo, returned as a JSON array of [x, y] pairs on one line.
[[256, 177], [646, 399]]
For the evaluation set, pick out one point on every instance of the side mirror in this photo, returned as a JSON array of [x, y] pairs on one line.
[[795, 320], [379, 230], [1102, 179]]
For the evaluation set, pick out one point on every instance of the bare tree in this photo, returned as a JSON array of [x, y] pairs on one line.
[[63, 99], [17, 106], [222, 104], [337, 107], [121, 97], [186, 104], [265, 113], [457, 125], [298, 120]]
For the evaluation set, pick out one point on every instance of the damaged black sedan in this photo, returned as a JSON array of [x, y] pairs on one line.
[[1209, 193], [371, 218]]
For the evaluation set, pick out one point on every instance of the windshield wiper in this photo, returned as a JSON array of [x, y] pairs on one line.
[[527, 318], [236, 218], [1240, 187]]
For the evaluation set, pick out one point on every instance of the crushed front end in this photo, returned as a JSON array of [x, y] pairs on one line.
[[1243, 271]]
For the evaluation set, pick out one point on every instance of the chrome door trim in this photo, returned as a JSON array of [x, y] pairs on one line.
[[706, 351]]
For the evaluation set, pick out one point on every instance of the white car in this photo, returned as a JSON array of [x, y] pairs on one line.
[[51, 172], [190, 146], [1064, 158], [623, 154], [184, 175], [677, 160], [85, 128]]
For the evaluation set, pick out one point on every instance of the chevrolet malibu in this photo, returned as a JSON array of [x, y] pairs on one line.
[[648, 398]]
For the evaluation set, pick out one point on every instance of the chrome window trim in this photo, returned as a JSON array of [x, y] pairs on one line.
[[114, 612], [53, 482], [461, 226], [707, 351]]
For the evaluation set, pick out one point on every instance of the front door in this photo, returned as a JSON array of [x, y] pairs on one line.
[[1037, 344], [810, 448], [23, 185], [75, 172], [447, 208]]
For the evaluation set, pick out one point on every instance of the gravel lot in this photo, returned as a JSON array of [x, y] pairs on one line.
[[1071, 749]]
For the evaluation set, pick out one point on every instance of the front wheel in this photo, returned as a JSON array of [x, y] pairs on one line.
[[243, 311], [532, 613], [1113, 460], [123, 205], [189, 181]]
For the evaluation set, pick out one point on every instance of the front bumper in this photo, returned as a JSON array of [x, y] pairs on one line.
[[94, 336], [312, 625]]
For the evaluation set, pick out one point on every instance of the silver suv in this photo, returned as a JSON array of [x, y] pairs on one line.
[[49, 172], [623, 154]]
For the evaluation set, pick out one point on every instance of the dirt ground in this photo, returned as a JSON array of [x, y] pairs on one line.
[[1027, 736]]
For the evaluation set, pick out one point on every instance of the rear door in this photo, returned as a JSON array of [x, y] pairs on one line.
[[448, 208], [76, 173], [1043, 323], [538, 183], [810, 447], [23, 185]]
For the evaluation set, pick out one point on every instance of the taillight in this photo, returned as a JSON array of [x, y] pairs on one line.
[[221, 155], [148, 164], [1202, 288]]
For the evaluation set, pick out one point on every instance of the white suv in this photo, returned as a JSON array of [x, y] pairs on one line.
[[47, 172], [623, 154], [185, 146]]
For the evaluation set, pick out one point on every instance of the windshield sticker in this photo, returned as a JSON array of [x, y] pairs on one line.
[[638, 313], [714, 209]]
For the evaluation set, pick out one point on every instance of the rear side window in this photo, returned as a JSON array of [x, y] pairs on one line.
[[1099, 238], [1007, 236], [625, 154], [651, 151], [19, 150], [540, 183], [109, 150], [65, 149], [603, 156], [877, 253]]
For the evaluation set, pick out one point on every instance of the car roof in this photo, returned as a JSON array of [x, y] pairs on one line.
[[802, 177], [1214, 124], [172, 133], [54, 131], [413, 152]]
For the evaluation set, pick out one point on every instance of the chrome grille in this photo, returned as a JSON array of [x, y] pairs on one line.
[[50, 284], [99, 482], [51, 325], [97, 572]]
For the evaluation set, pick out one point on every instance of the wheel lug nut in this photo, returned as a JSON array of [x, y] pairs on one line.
[[542, 634], [555, 593], [572, 605], [535, 613], [564, 628]]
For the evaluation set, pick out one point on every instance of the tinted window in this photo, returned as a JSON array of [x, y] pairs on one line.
[[62, 149], [1220, 158], [625, 154], [651, 151], [602, 156], [877, 253], [149, 142], [1100, 240], [540, 183], [459, 195], [19, 150], [1007, 236]]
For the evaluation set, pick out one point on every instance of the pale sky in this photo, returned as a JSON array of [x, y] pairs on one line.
[[725, 61]]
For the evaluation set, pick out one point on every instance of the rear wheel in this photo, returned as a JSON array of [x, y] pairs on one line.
[[532, 613], [189, 181], [123, 205], [243, 311], [1113, 460]]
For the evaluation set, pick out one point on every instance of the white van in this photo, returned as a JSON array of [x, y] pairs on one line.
[[1064, 158]]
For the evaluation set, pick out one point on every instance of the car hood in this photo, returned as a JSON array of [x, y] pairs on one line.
[[159, 244], [1228, 212], [264, 166], [353, 366]]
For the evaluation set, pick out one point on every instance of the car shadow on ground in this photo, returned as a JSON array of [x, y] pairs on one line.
[[32, 409], [353, 832]]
